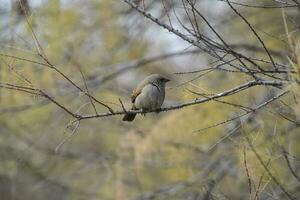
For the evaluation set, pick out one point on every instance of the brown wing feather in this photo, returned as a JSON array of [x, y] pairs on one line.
[[135, 94], [138, 90]]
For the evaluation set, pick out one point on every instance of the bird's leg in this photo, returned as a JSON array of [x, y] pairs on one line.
[[157, 111], [144, 110]]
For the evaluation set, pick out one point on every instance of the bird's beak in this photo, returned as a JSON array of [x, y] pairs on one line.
[[167, 80]]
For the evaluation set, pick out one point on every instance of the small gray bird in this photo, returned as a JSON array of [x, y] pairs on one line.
[[149, 95]]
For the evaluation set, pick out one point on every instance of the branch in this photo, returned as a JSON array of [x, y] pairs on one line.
[[268, 171], [169, 28], [255, 33], [262, 6], [246, 113], [289, 164], [195, 101], [125, 67]]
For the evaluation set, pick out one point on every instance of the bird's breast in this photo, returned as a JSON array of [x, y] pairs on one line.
[[151, 97]]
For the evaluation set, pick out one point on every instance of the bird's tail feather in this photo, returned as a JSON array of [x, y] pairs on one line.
[[129, 117]]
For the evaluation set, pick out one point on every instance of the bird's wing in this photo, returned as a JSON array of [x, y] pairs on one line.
[[135, 93], [138, 91]]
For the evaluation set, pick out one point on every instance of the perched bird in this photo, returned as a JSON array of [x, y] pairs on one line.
[[149, 95]]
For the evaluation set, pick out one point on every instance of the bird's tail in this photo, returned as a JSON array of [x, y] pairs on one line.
[[129, 116]]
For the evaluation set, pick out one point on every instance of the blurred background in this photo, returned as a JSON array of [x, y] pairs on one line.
[[205, 151]]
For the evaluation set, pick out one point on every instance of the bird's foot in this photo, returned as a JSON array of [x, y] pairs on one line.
[[143, 113]]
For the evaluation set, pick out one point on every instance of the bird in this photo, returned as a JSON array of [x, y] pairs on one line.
[[148, 95]]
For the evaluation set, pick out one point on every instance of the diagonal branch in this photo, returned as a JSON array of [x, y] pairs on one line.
[[255, 33], [268, 171]]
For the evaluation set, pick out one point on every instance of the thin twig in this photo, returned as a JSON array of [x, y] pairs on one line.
[[244, 114], [69, 137], [289, 164], [247, 171], [268, 171], [122, 105], [255, 33]]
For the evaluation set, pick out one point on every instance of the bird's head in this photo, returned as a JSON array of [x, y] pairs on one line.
[[158, 79]]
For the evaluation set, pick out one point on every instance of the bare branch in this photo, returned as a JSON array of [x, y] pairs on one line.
[[268, 171], [198, 101]]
